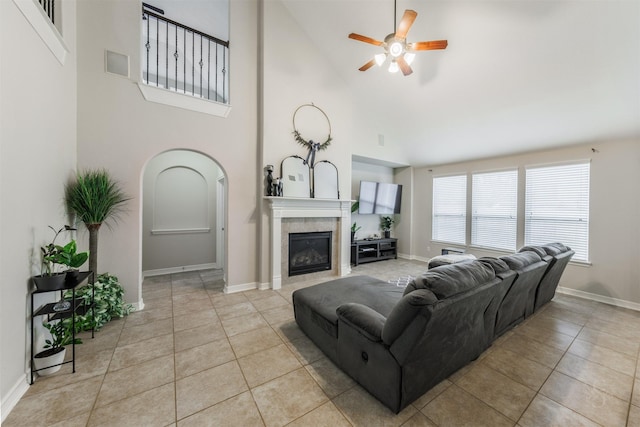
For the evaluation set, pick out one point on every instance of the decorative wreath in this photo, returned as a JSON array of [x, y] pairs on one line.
[[310, 144]]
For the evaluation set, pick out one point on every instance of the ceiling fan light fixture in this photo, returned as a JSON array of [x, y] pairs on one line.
[[380, 58], [409, 57], [396, 49], [393, 67]]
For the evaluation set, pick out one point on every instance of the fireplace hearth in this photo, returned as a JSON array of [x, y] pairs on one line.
[[309, 252]]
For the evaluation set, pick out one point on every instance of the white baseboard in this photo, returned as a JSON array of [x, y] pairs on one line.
[[138, 306], [413, 258], [599, 298], [173, 270], [264, 286], [13, 397], [232, 289]]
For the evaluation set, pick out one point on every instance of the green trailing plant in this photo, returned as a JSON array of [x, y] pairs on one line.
[[96, 199], [51, 252], [355, 227], [386, 222], [68, 256], [108, 300], [61, 334], [355, 206]]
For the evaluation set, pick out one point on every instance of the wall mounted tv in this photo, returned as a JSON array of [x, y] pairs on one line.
[[379, 198]]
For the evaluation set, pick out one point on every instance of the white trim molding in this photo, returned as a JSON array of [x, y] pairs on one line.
[[182, 269], [181, 230], [13, 397], [599, 298], [291, 207], [41, 23], [186, 102], [232, 289]]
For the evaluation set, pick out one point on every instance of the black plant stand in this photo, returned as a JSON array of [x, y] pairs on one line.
[[77, 307]]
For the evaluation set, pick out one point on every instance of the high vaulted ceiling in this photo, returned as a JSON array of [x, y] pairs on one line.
[[517, 76]]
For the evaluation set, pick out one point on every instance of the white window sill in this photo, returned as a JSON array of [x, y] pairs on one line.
[[45, 29], [186, 102]]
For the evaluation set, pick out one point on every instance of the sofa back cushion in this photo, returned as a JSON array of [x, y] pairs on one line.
[[449, 280], [499, 266], [554, 249], [537, 249], [521, 260]]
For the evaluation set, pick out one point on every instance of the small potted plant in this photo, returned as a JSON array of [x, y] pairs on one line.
[[385, 223], [50, 359], [354, 229], [68, 256], [50, 279]]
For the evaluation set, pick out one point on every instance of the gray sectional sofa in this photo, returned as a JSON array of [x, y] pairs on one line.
[[398, 343]]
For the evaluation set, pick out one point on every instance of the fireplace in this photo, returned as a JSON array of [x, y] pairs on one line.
[[309, 252]]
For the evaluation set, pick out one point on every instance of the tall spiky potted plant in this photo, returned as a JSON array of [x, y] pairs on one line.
[[96, 198]]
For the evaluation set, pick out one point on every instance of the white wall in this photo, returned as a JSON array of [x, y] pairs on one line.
[[296, 73], [614, 247], [120, 131], [37, 158], [176, 213]]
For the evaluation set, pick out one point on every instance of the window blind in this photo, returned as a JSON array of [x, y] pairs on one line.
[[494, 209], [557, 207], [450, 209]]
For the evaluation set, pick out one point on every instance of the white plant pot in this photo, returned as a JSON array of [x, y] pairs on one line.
[[54, 359]]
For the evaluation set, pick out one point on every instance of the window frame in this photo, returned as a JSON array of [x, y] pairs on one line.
[[583, 247], [463, 216], [513, 212]]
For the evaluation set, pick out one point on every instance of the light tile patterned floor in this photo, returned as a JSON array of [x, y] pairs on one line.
[[197, 357]]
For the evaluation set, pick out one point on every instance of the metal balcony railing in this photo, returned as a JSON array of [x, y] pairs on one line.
[[182, 59], [49, 8]]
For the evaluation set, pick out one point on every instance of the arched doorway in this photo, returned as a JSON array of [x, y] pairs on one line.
[[183, 214]]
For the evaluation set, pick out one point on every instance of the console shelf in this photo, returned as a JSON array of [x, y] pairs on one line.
[[373, 250], [78, 307]]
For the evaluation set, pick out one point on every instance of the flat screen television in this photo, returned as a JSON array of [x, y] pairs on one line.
[[379, 198]]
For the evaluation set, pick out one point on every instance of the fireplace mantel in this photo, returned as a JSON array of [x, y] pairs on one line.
[[290, 207]]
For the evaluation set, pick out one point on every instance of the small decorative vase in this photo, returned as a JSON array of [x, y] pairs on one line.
[[72, 276]]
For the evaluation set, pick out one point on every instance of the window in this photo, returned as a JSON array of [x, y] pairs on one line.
[[557, 207], [450, 209], [494, 209]]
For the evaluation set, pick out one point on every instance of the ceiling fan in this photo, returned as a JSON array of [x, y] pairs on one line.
[[396, 48]]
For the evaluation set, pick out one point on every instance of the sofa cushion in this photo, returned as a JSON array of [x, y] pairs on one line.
[[319, 302], [404, 312], [521, 260], [537, 249], [554, 249], [440, 260], [499, 266], [449, 280]]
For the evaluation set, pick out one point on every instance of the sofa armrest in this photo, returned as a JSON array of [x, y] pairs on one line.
[[365, 320]]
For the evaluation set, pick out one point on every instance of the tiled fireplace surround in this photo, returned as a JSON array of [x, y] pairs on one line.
[[297, 215]]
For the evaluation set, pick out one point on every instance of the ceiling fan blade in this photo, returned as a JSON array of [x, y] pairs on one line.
[[432, 45], [368, 65], [365, 39], [406, 68], [405, 23]]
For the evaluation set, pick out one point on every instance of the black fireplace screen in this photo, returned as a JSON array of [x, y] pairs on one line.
[[309, 252]]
